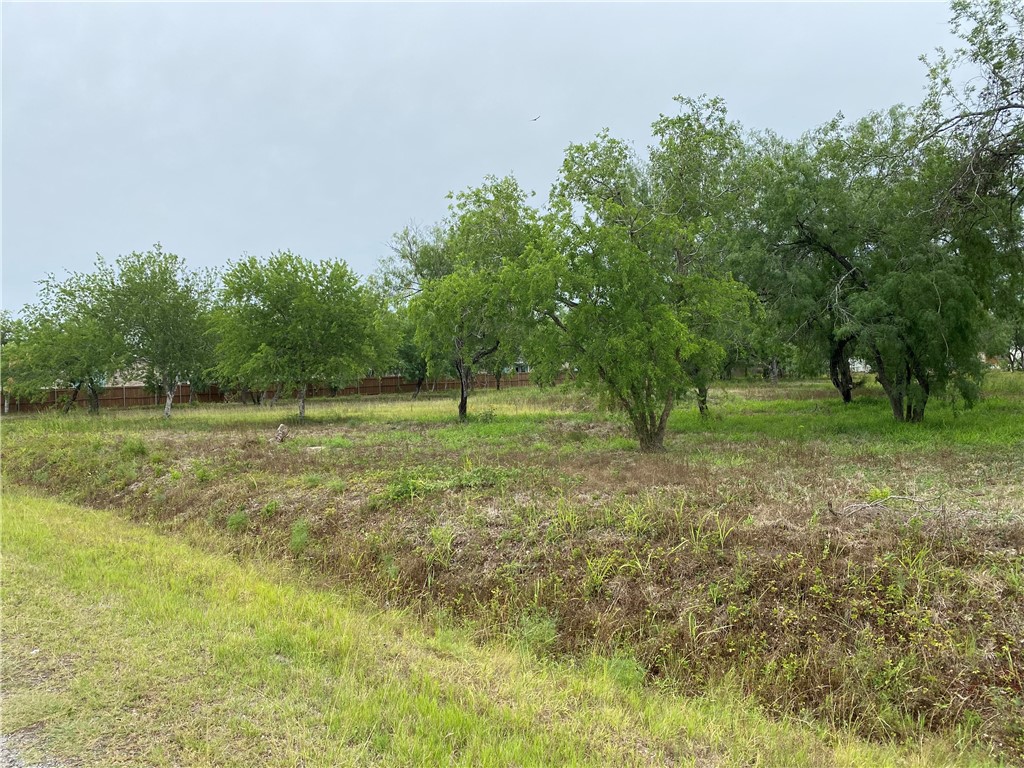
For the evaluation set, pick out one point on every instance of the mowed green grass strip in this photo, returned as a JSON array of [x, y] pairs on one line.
[[124, 647]]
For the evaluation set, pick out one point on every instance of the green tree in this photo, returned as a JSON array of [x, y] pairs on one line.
[[410, 362], [698, 167], [1011, 331], [976, 98], [71, 338], [976, 107], [498, 364], [454, 279], [855, 238], [161, 310], [629, 283], [791, 182], [603, 281], [290, 322], [12, 335]]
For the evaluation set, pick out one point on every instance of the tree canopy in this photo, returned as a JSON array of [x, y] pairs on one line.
[[71, 337], [629, 286], [160, 308], [290, 322], [454, 279]]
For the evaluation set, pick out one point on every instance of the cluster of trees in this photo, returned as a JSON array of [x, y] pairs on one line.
[[895, 240], [148, 315], [281, 323]]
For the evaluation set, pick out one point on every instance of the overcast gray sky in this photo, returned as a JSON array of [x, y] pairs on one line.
[[223, 129]]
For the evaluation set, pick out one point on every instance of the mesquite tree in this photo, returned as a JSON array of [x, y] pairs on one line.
[[454, 279], [161, 310], [856, 238], [290, 322], [625, 286], [72, 339]]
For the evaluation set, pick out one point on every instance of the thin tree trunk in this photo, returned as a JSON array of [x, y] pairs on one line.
[[71, 400], [169, 387], [497, 381], [419, 385], [277, 394], [464, 386], [773, 371], [94, 398], [302, 402], [919, 400], [463, 369], [839, 370], [7, 403], [702, 400]]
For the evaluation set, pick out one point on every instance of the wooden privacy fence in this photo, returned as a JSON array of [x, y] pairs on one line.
[[133, 396]]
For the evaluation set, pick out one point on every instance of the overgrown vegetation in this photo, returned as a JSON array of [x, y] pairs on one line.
[[829, 561], [124, 648], [835, 557]]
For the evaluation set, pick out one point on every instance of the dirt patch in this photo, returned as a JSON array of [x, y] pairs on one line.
[[12, 745]]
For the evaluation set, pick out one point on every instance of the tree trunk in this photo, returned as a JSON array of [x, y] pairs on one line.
[[464, 386], [918, 400], [94, 398], [193, 397], [1016, 354], [895, 391], [169, 388], [650, 427], [419, 386], [839, 370], [463, 368], [71, 400], [651, 442], [915, 412], [277, 394], [773, 371], [497, 381], [7, 403], [897, 395], [302, 402], [702, 400]]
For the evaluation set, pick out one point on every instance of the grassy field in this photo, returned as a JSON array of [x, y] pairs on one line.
[[123, 647], [834, 565]]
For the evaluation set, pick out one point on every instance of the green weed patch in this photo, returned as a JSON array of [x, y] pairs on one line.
[[124, 647]]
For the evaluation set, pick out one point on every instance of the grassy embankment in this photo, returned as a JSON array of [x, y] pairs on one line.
[[822, 558], [122, 647]]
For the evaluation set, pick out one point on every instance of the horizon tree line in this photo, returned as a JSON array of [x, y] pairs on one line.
[[896, 239]]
